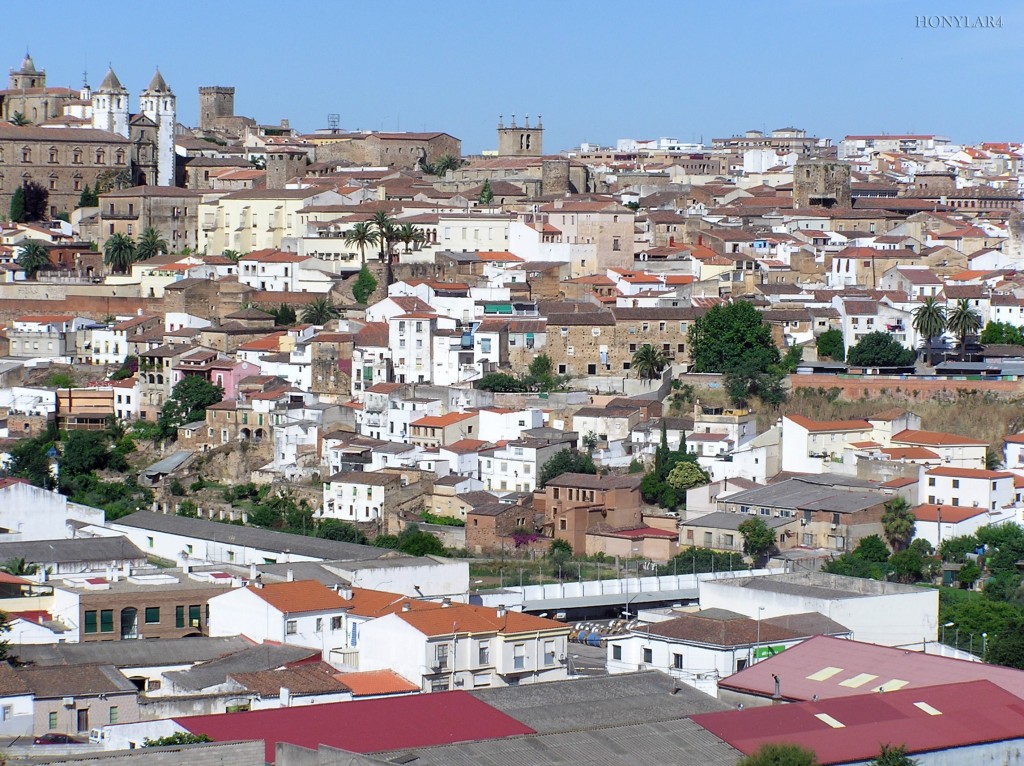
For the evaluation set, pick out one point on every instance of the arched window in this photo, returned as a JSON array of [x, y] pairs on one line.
[[119, 156], [26, 154], [101, 157], [53, 154], [76, 156], [53, 182]]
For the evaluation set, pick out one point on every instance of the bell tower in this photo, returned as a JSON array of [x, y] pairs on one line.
[[515, 141]]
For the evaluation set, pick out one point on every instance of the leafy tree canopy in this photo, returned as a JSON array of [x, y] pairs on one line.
[[729, 334], [566, 461], [189, 399], [687, 475], [365, 284], [830, 346], [880, 349], [1002, 333], [774, 754], [758, 539]]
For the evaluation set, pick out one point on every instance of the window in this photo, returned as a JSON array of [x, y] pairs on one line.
[[481, 679], [336, 623], [519, 656], [484, 653], [648, 654], [52, 721], [179, 617], [113, 714], [549, 652], [441, 656], [956, 483], [439, 684], [90, 621], [152, 615], [107, 621], [193, 615], [677, 661], [319, 624], [708, 539], [83, 720], [291, 627], [616, 651]]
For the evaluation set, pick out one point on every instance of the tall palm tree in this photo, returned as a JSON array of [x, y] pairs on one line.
[[232, 255], [930, 321], [898, 524], [33, 257], [384, 226], [649, 362], [19, 567], [361, 235], [151, 244], [408, 234], [320, 311], [963, 321], [119, 253], [445, 163]]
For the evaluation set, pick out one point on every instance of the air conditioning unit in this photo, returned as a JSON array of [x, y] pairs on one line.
[[435, 668], [68, 702], [803, 522]]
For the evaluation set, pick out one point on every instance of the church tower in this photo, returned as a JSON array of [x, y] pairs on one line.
[[27, 76], [110, 105], [157, 102], [514, 141]]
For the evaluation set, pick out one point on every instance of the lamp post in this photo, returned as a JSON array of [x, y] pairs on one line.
[[630, 600], [758, 642], [946, 625]]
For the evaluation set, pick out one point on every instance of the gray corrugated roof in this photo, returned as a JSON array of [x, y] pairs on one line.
[[231, 534], [726, 520], [255, 658], [125, 654], [171, 463], [84, 549], [806, 495]]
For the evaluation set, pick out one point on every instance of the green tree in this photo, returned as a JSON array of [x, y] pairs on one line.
[[780, 754], [19, 567], [17, 213], [445, 163], [409, 235], [566, 461], [412, 541], [791, 359], [898, 524], [151, 244], [749, 378], [5, 645], [332, 529], [365, 284], [33, 258], [872, 548], [320, 311], [84, 452], [930, 322], [19, 120], [968, 574], [30, 460], [361, 235], [590, 442], [189, 399], [284, 315], [178, 738], [384, 227], [541, 375], [852, 565], [880, 349], [728, 334], [687, 475], [36, 202], [501, 382], [649, 362], [830, 345], [907, 566], [1007, 647], [758, 539], [232, 255], [486, 195], [893, 755], [1002, 333], [560, 546], [963, 321], [87, 198], [119, 253]]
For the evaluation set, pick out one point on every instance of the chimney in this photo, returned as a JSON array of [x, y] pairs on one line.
[[778, 688], [345, 591], [290, 575], [284, 697], [446, 602], [252, 571], [502, 611], [406, 607]]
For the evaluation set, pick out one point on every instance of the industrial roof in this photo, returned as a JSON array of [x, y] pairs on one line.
[[365, 726], [255, 658], [832, 667], [126, 654], [84, 549], [853, 729], [808, 495]]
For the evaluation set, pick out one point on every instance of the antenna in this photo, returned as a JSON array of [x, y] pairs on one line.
[[333, 121]]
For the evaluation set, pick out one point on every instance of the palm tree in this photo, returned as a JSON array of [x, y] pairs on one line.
[[119, 253], [33, 258], [232, 255], [445, 163], [19, 567], [361, 235], [962, 322], [20, 120], [408, 234], [898, 524], [150, 244], [385, 231], [320, 311], [930, 321], [649, 362]]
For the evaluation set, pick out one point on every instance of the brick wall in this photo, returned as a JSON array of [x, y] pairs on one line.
[[873, 387]]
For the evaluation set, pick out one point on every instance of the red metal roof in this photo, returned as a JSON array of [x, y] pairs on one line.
[[807, 669], [365, 726], [855, 728]]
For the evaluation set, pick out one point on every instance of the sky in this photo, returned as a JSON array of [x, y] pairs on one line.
[[597, 71]]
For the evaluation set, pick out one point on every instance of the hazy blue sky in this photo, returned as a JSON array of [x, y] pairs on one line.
[[596, 70]]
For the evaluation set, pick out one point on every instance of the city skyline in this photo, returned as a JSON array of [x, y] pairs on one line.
[[827, 80]]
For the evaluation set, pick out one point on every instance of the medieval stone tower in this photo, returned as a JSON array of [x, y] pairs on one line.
[[821, 183], [514, 141], [157, 102], [215, 101], [110, 105], [284, 164]]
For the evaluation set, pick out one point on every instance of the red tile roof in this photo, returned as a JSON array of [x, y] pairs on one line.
[[467, 619], [969, 473], [951, 514], [830, 425], [374, 683], [442, 421], [935, 438], [365, 726]]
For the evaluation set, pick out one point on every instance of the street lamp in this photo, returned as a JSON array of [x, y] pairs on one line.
[[946, 625], [758, 643], [630, 600]]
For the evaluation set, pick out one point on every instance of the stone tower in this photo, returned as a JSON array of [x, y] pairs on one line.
[[514, 141], [283, 164], [158, 103], [215, 101], [821, 183], [110, 105], [27, 76]]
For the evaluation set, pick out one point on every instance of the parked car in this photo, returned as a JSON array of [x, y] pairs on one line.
[[53, 738]]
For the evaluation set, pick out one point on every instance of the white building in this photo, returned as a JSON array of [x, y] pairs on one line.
[[357, 495]]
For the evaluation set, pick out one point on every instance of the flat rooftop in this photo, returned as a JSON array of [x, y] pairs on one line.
[[818, 585]]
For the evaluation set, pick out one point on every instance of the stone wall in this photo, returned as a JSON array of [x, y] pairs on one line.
[[908, 389]]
